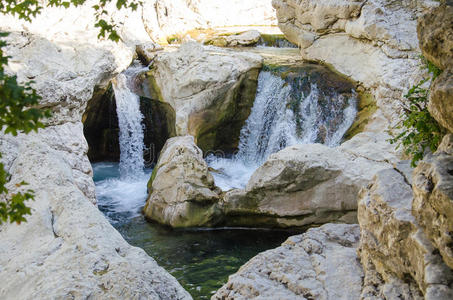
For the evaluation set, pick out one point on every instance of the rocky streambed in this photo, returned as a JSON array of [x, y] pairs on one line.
[[198, 98]]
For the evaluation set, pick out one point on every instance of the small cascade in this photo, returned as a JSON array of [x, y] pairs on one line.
[[121, 188], [131, 129], [285, 113]]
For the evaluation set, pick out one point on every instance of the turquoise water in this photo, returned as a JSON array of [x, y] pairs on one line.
[[201, 259]]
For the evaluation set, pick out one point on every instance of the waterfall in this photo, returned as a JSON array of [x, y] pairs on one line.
[[284, 114], [131, 130]]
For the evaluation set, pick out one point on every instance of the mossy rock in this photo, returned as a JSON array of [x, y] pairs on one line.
[[366, 109], [218, 127], [275, 40]]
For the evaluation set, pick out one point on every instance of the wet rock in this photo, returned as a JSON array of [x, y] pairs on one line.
[[182, 191], [146, 52], [319, 264]]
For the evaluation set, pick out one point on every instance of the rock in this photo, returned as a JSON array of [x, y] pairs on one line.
[[433, 198], [146, 52], [198, 82], [441, 99], [372, 42], [398, 259], [247, 38], [435, 31], [164, 18], [67, 248], [304, 184], [319, 264], [182, 192]]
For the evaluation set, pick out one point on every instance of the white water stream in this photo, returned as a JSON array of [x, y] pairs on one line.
[[274, 124], [121, 190]]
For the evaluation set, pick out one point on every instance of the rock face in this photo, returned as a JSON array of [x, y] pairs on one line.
[[305, 184], [433, 198], [435, 31], [182, 191], [199, 82], [67, 249], [398, 259], [247, 38], [164, 18], [319, 264], [370, 41]]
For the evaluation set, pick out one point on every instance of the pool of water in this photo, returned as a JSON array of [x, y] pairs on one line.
[[201, 259]]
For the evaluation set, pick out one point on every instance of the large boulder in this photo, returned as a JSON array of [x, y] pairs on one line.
[[319, 264], [435, 31], [199, 82], [306, 184], [373, 42], [182, 191], [433, 198], [398, 259]]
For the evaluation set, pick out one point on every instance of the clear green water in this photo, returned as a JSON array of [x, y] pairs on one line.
[[201, 259]]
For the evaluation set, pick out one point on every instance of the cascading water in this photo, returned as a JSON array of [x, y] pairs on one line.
[[121, 189], [284, 114], [131, 130]]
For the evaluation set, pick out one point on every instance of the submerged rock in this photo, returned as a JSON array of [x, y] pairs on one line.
[[319, 264], [398, 258], [182, 191]]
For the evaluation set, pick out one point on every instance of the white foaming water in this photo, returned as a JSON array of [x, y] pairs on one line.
[[120, 199], [276, 122], [121, 188], [131, 130]]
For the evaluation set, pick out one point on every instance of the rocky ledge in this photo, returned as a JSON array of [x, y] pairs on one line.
[[319, 264]]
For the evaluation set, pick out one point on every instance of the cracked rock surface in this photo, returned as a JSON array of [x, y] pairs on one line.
[[319, 264], [399, 260], [433, 198]]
